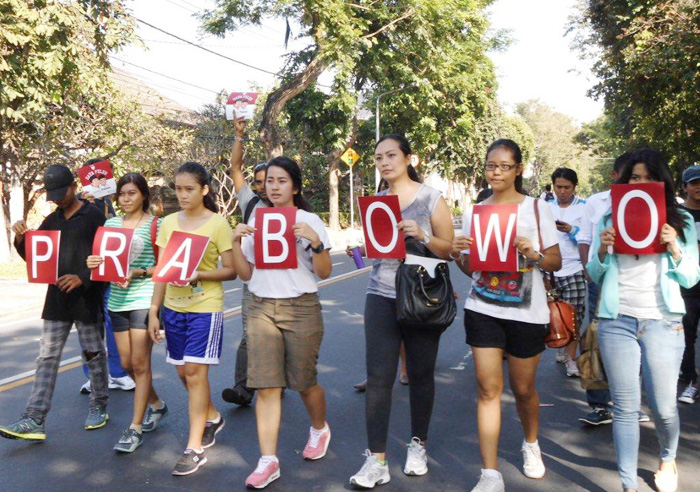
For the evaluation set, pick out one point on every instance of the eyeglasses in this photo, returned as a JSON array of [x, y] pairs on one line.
[[502, 167]]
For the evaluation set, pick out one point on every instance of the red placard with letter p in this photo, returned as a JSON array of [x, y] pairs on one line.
[[41, 248], [493, 231], [380, 215], [638, 212], [180, 258], [274, 242], [113, 244]]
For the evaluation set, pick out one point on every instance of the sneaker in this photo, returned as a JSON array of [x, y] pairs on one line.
[[562, 356], [153, 417], [416, 459], [490, 484], [124, 383], [97, 417], [189, 463], [26, 429], [689, 395], [129, 441], [533, 466], [211, 430], [361, 386], [572, 369], [666, 481], [266, 472], [240, 395], [318, 442], [372, 473], [599, 416], [403, 379], [85, 389], [643, 417]]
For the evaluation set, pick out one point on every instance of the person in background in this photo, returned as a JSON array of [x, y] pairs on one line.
[[249, 199], [691, 296], [640, 323], [73, 300], [547, 194], [570, 280]]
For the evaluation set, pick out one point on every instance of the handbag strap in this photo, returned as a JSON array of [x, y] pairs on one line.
[[547, 276]]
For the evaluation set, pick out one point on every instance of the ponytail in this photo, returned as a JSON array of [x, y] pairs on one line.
[[202, 177]]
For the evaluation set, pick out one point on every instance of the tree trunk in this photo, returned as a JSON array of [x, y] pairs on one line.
[[333, 198], [269, 129], [5, 246]]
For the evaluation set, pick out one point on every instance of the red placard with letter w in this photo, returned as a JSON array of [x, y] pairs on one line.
[[638, 212], [493, 232]]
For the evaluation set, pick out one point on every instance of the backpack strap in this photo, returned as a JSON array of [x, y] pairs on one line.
[[548, 276], [249, 208], [154, 235]]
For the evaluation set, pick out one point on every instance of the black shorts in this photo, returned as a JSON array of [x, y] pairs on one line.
[[521, 340], [126, 320]]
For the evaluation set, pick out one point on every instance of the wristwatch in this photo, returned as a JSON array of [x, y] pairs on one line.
[[144, 274], [318, 249], [426, 237], [538, 260]]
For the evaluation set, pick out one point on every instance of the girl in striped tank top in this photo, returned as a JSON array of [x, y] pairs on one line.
[[128, 306]]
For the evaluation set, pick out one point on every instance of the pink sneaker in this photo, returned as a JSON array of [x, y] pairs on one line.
[[267, 472], [318, 443]]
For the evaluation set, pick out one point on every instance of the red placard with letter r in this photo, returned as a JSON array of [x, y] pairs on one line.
[[638, 213], [380, 215], [113, 244], [493, 232], [41, 252], [275, 246], [180, 258]]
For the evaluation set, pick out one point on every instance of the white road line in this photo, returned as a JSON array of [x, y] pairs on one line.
[[232, 290], [19, 322], [336, 264], [28, 374]]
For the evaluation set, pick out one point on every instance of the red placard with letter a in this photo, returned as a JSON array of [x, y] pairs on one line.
[[493, 232], [638, 212], [180, 258], [113, 244], [380, 215], [274, 243], [41, 248]]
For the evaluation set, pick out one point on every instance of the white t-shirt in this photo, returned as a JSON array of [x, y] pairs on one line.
[[596, 207], [572, 215], [517, 296], [291, 282], [640, 293]]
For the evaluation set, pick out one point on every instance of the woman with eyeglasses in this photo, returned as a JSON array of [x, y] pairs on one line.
[[507, 312]]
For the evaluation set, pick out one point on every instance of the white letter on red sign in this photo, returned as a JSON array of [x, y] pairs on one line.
[[185, 249], [114, 254], [653, 229], [493, 227], [36, 258], [370, 233], [268, 237]]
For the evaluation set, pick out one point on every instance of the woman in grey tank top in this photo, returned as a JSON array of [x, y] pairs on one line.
[[426, 217]]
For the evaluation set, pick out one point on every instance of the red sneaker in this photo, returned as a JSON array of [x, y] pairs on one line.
[[267, 472], [318, 443]]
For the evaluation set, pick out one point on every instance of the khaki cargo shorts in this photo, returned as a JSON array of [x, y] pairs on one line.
[[284, 339]]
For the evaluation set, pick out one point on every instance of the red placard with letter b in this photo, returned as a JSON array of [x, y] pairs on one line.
[[638, 212], [274, 242], [180, 258], [380, 215], [113, 244], [493, 232], [41, 251]]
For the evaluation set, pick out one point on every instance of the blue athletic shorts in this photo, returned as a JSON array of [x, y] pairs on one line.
[[193, 337]]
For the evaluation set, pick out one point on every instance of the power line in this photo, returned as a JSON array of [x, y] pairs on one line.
[[183, 8], [227, 46], [166, 76]]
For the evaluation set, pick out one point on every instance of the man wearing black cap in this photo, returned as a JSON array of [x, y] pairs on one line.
[[75, 299], [691, 297]]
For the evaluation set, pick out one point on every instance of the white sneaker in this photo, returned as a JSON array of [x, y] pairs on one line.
[[562, 356], [124, 383], [416, 459], [86, 389], [372, 473], [689, 395], [533, 466], [572, 369], [490, 484]]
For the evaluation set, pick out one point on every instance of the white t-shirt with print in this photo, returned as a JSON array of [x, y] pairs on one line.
[[523, 294], [291, 282]]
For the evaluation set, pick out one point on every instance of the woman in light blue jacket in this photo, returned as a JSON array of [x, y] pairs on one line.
[[640, 324]]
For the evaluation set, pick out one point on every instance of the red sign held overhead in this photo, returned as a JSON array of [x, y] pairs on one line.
[[274, 242], [180, 258], [41, 249], [638, 212], [380, 216], [494, 228], [113, 244]]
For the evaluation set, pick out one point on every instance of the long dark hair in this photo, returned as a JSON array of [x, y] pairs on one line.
[[202, 177], [291, 167], [517, 157], [657, 167], [140, 182]]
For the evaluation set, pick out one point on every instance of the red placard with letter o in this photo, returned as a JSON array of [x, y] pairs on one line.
[[380, 215], [638, 212]]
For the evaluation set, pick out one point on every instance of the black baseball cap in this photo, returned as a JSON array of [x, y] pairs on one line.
[[57, 179]]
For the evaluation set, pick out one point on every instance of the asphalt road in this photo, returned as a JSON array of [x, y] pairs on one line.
[[577, 458]]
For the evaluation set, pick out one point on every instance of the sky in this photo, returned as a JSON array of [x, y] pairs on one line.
[[537, 65]]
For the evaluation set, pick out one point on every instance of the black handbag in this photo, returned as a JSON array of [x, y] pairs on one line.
[[424, 302]]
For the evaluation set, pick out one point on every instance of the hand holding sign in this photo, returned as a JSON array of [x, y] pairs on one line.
[[275, 246], [113, 245], [380, 219], [180, 259], [493, 233], [42, 256], [638, 213]]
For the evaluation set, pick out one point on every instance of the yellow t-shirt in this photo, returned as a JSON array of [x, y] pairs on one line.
[[207, 296]]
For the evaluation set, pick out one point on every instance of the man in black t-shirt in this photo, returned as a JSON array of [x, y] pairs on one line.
[[691, 297]]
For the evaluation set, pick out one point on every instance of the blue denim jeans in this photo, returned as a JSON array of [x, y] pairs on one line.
[[626, 344]]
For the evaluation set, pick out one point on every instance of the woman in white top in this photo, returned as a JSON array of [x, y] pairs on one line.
[[507, 312], [285, 326]]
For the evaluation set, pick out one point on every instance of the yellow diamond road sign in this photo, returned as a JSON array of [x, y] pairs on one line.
[[350, 157]]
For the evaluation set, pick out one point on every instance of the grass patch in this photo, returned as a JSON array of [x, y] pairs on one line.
[[13, 270]]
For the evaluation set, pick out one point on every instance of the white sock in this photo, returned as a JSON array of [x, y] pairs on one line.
[[136, 427], [531, 445], [198, 451], [158, 405], [270, 457], [216, 420], [491, 473], [320, 431]]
